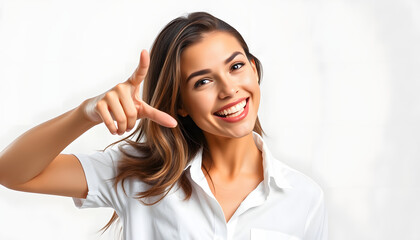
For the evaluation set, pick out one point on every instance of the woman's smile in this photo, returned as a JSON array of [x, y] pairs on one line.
[[234, 113]]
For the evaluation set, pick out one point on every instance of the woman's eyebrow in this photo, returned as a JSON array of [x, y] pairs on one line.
[[206, 71], [198, 73], [232, 57]]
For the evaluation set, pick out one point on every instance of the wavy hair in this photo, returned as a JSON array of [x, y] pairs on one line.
[[165, 152]]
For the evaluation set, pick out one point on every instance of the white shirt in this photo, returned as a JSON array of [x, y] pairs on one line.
[[286, 204]]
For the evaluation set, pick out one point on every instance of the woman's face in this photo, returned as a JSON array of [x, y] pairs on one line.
[[220, 90]]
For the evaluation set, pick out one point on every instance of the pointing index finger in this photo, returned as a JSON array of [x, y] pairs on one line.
[[158, 116]]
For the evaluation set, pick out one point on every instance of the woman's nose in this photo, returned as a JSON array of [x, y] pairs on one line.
[[227, 88]]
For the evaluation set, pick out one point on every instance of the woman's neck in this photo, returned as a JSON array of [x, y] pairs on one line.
[[232, 157]]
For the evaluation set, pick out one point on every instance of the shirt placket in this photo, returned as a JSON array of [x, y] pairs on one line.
[[223, 230], [226, 231]]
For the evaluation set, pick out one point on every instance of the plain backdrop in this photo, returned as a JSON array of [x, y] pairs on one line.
[[340, 98]]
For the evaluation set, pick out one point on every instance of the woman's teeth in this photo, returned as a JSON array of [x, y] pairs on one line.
[[233, 111], [235, 114]]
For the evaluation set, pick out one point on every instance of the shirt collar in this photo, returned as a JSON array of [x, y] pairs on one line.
[[273, 169]]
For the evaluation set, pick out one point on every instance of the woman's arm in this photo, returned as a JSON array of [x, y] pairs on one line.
[[33, 161], [33, 151]]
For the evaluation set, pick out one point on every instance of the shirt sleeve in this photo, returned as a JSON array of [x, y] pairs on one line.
[[316, 227], [100, 168]]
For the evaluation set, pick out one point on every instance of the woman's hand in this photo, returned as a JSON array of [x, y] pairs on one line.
[[123, 104]]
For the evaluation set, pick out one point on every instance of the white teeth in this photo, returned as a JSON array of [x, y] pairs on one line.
[[235, 114], [234, 110]]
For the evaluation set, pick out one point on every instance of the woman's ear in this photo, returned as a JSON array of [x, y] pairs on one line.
[[181, 108], [254, 68], [182, 112]]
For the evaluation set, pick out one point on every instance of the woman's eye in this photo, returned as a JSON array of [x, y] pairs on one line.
[[201, 82], [236, 66]]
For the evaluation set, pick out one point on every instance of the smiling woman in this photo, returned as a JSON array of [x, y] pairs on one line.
[[196, 166], [220, 78]]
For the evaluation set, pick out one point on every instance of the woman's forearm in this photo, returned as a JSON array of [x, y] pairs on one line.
[[34, 150]]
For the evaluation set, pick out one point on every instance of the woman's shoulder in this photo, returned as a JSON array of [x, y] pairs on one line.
[[114, 153], [105, 163], [298, 180]]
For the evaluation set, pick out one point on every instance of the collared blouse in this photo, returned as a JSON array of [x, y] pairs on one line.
[[286, 205]]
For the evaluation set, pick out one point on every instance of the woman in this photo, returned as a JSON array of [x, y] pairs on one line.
[[196, 166]]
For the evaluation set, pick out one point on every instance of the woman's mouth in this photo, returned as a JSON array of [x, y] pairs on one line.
[[234, 113]]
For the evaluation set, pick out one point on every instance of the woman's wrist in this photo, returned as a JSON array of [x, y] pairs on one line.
[[81, 115]]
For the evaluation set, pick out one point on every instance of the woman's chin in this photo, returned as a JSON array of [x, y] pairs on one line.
[[232, 132], [242, 132]]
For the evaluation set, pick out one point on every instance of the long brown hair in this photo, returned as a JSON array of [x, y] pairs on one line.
[[165, 152]]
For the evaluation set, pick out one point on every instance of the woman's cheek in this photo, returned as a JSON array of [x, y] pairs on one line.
[[251, 83], [202, 103]]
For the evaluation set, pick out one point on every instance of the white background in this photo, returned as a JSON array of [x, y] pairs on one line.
[[340, 98]]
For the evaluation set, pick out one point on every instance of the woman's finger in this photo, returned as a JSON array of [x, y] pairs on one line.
[[141, 69], [118, 112], [157, 116], [102, 109], [129, 110]]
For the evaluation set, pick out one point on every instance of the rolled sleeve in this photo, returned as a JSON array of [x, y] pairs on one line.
[[100, 168]]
